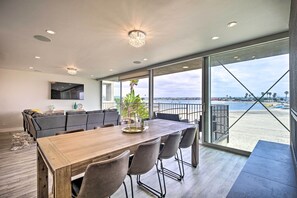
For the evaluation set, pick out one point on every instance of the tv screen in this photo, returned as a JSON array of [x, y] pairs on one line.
[[67, 91]]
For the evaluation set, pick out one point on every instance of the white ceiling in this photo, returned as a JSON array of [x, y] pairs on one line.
[[92, 34]]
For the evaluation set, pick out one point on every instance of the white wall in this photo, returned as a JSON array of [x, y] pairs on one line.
[[21, 90]]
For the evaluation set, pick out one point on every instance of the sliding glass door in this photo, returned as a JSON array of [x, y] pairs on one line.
[[249, 96]]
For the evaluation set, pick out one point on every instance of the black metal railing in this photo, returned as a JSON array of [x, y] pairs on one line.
[[191, 112]]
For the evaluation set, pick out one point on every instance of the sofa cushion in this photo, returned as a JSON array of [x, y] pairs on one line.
[[50, 122], [75, 112], [95, 111]]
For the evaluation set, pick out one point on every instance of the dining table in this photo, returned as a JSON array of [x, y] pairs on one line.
[[68, 155]]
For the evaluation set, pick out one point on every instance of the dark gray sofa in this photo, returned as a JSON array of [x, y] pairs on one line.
[[76, 120], [47, 125], [42, 125], [111, 117], [95, 119]]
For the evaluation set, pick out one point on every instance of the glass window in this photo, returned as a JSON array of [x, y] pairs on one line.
[[252, 85]]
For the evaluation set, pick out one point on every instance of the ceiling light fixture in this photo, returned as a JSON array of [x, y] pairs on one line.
[[215, 38], [185, 67], [235, 57], [145, 59], [37, 57], [71, 70], [136, 38], [31, 67], [253, 57], [111, 70], [232, 24], [137, 62], [50, 31]]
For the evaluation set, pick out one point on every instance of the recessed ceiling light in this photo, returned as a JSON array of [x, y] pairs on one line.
[[92, 75], [232, 24], [31, 67], [215, 38], [185, 67], [253, 57], [145, 59], [50, 32], [37, 57], [235, 57], [111, 70], [136, 62]]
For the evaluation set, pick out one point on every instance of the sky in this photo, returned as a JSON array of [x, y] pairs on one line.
[[257, 75]]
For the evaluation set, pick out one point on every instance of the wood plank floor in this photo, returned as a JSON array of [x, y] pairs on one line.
[[213, 177]]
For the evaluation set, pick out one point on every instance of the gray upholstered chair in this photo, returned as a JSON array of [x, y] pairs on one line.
[[167, 151], [143, 161], [95, 119], [76, 120], [186, 141], [103, 178], [169, 116]]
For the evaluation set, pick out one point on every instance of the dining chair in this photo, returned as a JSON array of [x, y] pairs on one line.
[[143, 161], [102, 178], [186, 141], [167, 151]]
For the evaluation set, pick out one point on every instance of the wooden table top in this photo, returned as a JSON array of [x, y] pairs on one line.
[[65, 150]]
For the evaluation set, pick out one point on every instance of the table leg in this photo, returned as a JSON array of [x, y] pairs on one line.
[[42, 177], [195, 150], [62, 182]]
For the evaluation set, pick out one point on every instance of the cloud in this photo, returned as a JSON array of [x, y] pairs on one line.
[[257, 75]]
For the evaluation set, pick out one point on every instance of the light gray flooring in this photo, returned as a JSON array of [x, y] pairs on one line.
[[213, 177]]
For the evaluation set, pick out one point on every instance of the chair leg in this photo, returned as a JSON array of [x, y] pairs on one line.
[[160, 193], [184, 162], [131, 183], [170, 173], [125, 189]]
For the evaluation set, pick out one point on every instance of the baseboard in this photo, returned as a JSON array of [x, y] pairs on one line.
[[12, 129]]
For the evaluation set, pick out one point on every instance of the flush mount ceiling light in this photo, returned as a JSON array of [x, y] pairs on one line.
[[232, 24], [137, 62], [215, 38], [71, 70], [185, 67], [136, 38], [37, 57]]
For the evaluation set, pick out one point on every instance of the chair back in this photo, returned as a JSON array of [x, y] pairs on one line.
[[168, 116], [171, 146], [145, 157], [103, 178], [188, 138]]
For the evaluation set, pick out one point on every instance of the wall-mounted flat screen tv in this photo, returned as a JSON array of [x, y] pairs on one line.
[[67, 91]]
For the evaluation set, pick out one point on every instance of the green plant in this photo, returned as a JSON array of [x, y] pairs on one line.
[[132, 105]]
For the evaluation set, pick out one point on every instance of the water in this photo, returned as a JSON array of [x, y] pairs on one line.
[[233, 105]]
